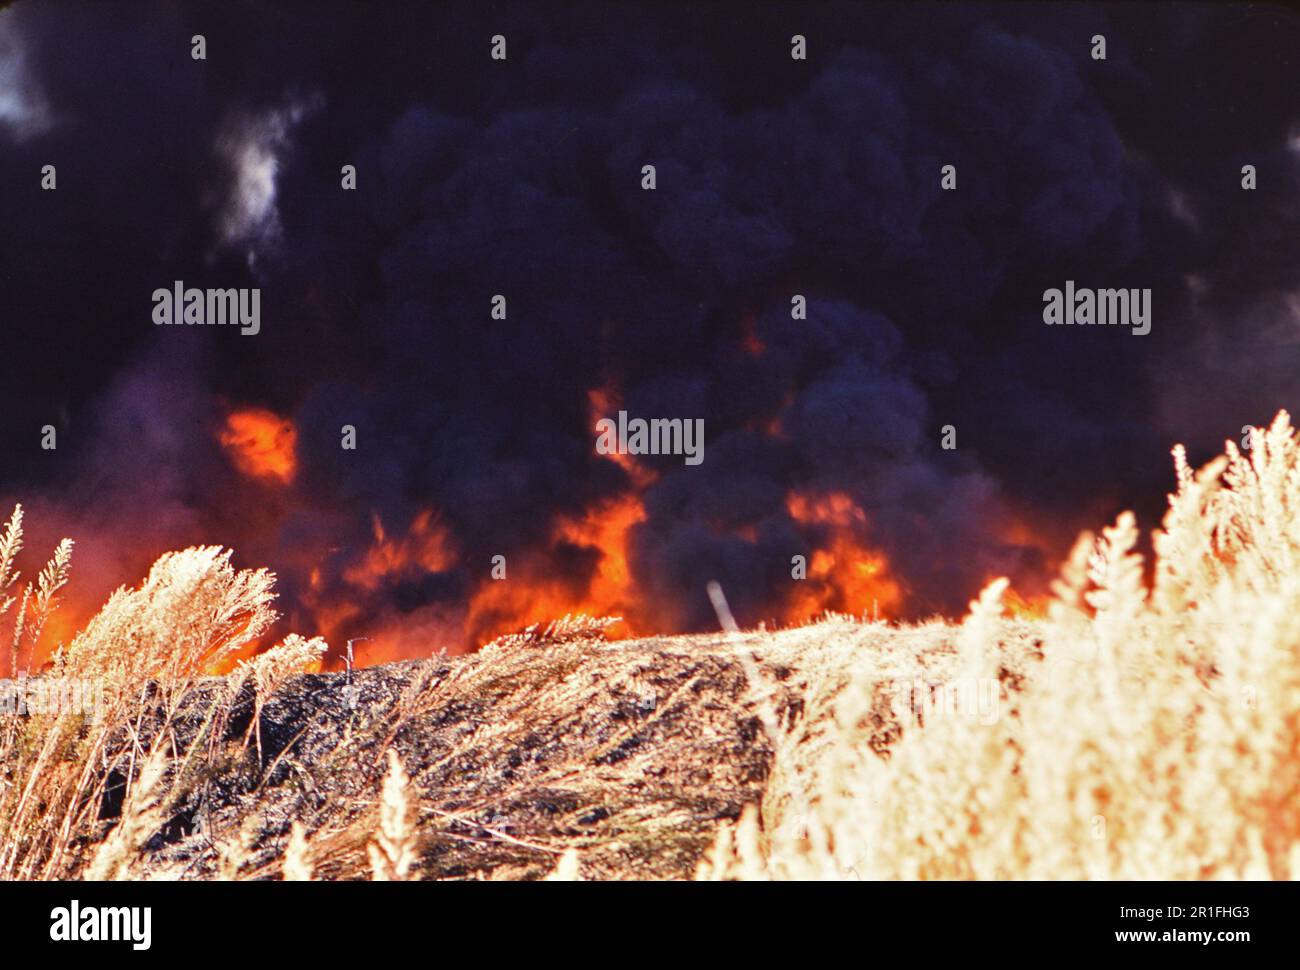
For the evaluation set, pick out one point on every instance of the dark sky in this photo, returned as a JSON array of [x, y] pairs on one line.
[[522, 177]]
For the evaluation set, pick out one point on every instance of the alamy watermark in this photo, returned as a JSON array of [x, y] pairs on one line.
[[1083, 306], [75, 923], [656, 436], [32, 696], [976, 699], [211, 307]]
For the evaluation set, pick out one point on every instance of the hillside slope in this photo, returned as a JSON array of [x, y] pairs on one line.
[[630, 752]]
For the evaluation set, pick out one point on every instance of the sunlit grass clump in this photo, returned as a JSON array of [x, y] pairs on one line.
[[1158, 737]]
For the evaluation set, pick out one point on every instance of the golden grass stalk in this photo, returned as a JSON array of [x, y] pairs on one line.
[[567, 869], [392, 850], [141, 817], [11, 543], [297, 860], [268, 670]]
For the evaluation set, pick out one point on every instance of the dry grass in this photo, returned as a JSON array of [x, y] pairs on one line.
[[1157, 738], [270, 668], [142, 653], [392, 851], [1151, 731], [297, 860]]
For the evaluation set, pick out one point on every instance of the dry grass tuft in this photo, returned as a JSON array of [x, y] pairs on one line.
[[392, 851], [569, 628], [141, 816], [137, 657], [567, 869], [38, 601], [194, 613], [297, 859], [268, 670]]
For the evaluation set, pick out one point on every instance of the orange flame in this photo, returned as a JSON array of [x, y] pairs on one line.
[[262, 444], [1035, 544], [606, 528], [425, 547], [846, 575], [532, 591], [1025, 607], [845, 572], [501, 606], [604, 403], [339, 612]]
